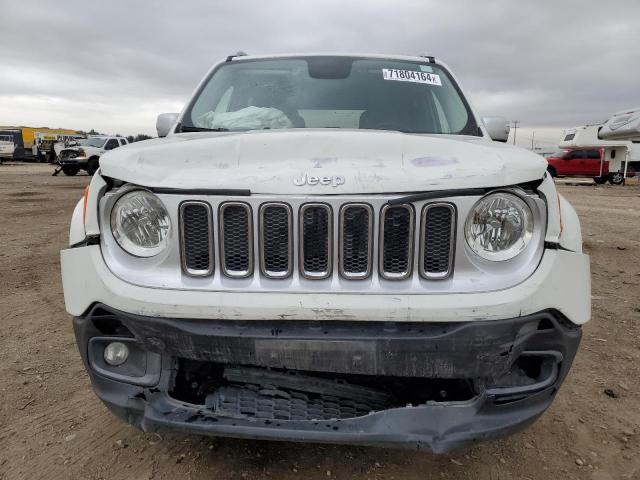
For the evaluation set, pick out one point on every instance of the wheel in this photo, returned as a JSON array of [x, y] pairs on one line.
[[70, 170], [552, 172], [616, 178], [92, 165], [600, 180]]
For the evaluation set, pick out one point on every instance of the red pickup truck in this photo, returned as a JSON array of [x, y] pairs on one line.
[[581, 163]]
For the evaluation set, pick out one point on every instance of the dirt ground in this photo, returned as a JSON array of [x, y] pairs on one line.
[[52, 425]]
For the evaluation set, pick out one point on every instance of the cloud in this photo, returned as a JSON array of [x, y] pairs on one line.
[[114, 66]]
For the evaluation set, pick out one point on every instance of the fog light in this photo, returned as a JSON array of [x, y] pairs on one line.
[[116, 353]]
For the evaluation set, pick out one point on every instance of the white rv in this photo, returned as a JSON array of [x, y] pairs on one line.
[[618, 137]]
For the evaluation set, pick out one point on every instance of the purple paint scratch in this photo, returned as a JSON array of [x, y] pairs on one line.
[[433, 161], [318, 162]]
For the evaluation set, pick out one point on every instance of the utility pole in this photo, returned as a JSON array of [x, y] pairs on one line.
[[515, 130], [533, 136]]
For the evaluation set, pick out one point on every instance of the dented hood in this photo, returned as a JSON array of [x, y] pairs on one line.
[[321, 162]]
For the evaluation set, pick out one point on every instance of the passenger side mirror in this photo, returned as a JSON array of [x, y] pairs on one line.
[[165, 122], [497, 128]]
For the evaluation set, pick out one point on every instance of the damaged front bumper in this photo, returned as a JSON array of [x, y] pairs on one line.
[[432, 385]]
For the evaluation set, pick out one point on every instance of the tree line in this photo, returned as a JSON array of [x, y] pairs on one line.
[[130, 138]]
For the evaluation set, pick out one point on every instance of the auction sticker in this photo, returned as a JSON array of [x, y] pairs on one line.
[[411, 76]]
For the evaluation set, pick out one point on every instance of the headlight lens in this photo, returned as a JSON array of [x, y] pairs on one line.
[[140, 223], [499, 226]]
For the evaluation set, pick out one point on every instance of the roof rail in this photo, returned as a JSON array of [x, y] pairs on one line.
[[239, 53], [429, 58]]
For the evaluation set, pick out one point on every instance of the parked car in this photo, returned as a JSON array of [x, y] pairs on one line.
[[327, 249], [7, 147], [87, 155], [579, 162]]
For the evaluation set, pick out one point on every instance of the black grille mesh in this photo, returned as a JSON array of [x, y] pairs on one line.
[[315, 239], [236, 240], [355, 239], [276, 239], [397, 240], [437, 239], [196, 230]]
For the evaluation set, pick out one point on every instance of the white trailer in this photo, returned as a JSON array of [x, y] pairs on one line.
[[7, 147]]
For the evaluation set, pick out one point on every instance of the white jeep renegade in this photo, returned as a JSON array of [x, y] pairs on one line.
[[327, 248]]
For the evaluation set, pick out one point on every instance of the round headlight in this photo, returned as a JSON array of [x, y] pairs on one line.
[[140, 223], [499, 226]]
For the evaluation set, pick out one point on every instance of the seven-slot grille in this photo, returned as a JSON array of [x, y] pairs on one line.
[[313, 223]]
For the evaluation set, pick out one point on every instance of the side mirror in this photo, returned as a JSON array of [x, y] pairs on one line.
[[497, 127], [165, 122]]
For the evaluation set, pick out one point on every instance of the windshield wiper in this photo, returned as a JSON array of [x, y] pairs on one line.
[[187, 128]]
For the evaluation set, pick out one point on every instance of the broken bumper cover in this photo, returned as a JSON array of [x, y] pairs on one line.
[[488, 354]]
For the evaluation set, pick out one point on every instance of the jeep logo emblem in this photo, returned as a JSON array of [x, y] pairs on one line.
[[305, 179]]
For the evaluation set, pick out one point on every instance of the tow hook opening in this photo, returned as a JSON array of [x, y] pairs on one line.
[[275, 394]]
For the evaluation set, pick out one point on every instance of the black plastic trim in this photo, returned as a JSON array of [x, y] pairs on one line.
[[229, 192], [416, 197], [87, 241]]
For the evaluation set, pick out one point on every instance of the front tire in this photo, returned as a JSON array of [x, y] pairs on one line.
[[616, 178], [92, 165], [70, 170]]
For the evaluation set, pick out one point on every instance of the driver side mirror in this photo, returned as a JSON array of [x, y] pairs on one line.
[[165, 122], [497, 128]]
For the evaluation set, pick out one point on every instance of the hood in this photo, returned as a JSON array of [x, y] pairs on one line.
[[321, 161], [85, 148]]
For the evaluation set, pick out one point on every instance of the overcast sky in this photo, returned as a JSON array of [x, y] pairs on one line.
[[114, 66]]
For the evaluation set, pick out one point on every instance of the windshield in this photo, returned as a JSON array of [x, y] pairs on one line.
[[557, 153], [331, 92], [95, 142]]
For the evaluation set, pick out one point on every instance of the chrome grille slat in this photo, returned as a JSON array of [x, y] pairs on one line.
[[276, 240], [236, 239], [196, 238], [396, 241], [437, 234], [316, 240], [356, 240]]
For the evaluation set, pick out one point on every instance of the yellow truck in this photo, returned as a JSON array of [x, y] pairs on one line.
[[24, 145]]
